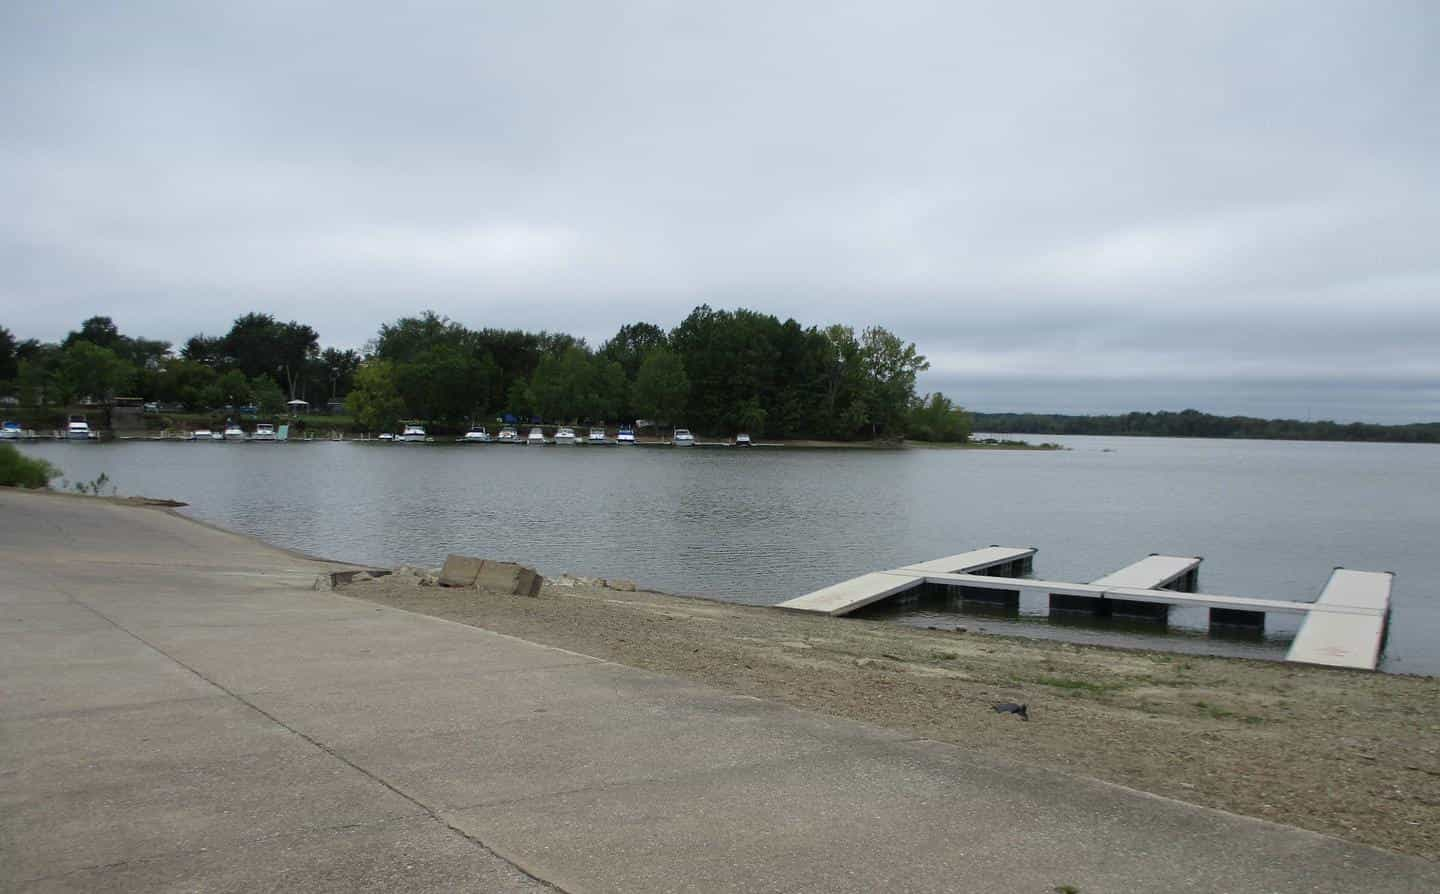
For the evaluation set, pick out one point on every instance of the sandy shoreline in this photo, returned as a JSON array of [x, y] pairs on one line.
[[1351, 754]]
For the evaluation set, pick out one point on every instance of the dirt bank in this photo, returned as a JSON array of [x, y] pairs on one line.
[[1351, 754]]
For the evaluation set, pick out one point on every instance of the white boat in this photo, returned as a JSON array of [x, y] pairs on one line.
[[597, 436], [385, 436], [508, 435], [742, 440], [77, 429], [233, 432], [476, 435], [10, 431], [565, 435], [201, 434], [683, 438], [413, 432], [264, 431], [536, 438], [625, 436]]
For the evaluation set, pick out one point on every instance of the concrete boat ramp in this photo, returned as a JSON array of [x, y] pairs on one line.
[[1344, 627], [181, 710]]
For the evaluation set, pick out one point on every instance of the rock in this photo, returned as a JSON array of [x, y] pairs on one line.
[[624, 586], [962, 630]]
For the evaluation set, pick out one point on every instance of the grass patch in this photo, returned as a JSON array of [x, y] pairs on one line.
[[1214, 711], [1077, 685], [19, 470]]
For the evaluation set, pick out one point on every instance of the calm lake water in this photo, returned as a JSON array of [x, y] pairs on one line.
[[1271, 518]]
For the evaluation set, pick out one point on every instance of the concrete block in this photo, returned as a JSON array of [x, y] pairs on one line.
[[624, 586], [460, 571], [507, 577]]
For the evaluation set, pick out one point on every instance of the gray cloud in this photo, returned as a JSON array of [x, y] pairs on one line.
[[1122, 193]]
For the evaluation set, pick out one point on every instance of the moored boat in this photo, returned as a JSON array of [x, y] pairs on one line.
[[683, 438], [78, 429], [476, 435], [742, 440], [413, 432], [596, 436], [202, 434], [625, 436], [508, 435], [536, 438], [10, 431], [264, 431], [565, 435], [233, 432]]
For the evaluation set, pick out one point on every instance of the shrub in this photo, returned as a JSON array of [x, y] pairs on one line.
[[19, 470]]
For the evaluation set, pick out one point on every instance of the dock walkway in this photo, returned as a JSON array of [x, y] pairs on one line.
[[1344, 627]]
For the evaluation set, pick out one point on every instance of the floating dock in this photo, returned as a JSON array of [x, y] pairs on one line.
[[1345, 627]]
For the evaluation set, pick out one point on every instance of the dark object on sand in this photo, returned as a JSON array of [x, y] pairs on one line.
[[1012, 708]]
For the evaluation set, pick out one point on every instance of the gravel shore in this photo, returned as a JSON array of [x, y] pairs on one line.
[[1351, 754]]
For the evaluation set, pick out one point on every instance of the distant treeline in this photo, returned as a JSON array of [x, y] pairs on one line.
[[718, 371], [1195, 424]]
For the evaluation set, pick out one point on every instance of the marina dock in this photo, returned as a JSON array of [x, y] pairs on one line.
[[1344, 627]]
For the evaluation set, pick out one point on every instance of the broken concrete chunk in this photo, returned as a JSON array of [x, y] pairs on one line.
[[460, 571], [502, 577], [507, 577], [627, 586]]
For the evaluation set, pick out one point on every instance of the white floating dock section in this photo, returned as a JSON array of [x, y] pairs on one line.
[[1346, 625], [1150, 573], [847, 596]]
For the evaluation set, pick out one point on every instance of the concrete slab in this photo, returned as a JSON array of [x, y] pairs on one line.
[[460, 571], [405, 856], [909, 817]]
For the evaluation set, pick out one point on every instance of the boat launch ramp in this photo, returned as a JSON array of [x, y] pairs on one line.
[[1344, 627]]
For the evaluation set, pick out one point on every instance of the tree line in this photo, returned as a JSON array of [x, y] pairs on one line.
[[1195, 424], [718, 371]]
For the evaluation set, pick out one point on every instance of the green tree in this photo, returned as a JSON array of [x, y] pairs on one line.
[[375, 401], [186, 382], [935, 418], [267, 396], [231, 389], [9, 362], [662, 387], [891, 367], [88, 370]]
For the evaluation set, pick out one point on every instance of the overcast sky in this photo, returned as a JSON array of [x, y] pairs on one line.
[[1068, 206]]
